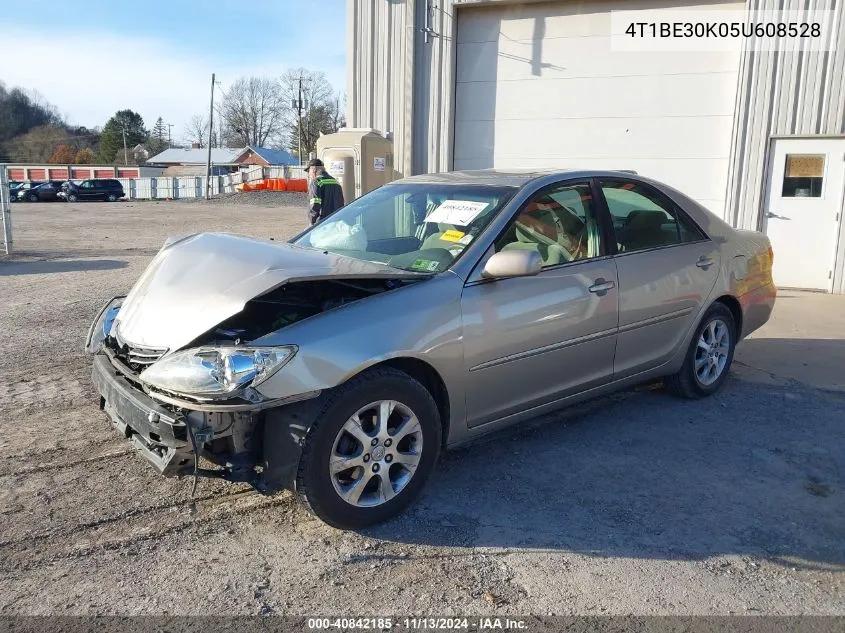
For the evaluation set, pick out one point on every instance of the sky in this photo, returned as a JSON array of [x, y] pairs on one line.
[[156, 57]]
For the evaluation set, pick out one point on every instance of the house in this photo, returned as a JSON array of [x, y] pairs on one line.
[[193, 161], [179, 161], [752, 127], [266, 156], [140, 153]]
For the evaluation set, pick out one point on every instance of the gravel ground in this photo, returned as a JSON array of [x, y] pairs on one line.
[[637, 503]]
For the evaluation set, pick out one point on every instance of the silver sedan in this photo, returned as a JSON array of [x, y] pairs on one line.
[[419, 317]]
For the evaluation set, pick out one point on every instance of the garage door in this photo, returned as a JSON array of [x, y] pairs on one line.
[[537, 85]]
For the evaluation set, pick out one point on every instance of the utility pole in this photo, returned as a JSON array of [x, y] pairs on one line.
[[299, 119], [169, 128], [210, 129], [125, 154]]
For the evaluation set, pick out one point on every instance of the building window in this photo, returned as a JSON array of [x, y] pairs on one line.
[[803, 176]]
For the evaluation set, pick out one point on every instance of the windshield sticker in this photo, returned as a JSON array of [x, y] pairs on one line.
[[452, 235], [459, 212], [427, 265], [466, 239]]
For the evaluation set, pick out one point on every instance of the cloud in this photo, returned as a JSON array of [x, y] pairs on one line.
[[88, 76]]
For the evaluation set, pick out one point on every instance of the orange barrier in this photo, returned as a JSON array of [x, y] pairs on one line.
[[275, 184]]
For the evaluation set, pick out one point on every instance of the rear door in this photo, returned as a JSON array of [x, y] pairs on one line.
[[529, 341], [667, 267]]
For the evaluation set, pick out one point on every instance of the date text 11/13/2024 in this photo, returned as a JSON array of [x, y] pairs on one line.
[[417, 624]]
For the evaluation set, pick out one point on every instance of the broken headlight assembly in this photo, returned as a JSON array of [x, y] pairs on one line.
[[216, 372], [101, 327]]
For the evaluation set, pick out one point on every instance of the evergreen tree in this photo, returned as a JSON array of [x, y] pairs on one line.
[[158, 138], [111, 139]]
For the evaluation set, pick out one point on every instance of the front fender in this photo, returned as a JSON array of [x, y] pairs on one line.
[[420, 321]]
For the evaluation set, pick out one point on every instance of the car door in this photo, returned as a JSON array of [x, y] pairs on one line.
[[529, 341], [49, 192], [99, 190], [667, 267], [86, 190]]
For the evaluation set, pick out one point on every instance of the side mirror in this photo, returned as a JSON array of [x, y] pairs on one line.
[[516, 263]]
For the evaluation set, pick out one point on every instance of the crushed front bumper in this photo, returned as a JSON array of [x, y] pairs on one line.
[[259, 444], [157, 433]]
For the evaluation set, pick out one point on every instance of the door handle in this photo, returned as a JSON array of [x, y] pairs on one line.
[[601, 286], [704, 262]]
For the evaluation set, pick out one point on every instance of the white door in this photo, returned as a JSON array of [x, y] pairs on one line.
[[538, 86], [803, 210]]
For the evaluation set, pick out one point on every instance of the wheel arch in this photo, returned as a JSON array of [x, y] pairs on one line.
[[430, 378], [732, 304]]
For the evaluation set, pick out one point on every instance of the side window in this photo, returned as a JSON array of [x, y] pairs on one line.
[[644, 218], [559, 223], [86, 185]]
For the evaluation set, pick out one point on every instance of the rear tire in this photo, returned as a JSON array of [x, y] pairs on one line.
[[709, 356], [410, 434], [111, 198]]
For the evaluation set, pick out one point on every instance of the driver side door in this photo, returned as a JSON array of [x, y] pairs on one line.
[[530, 341]]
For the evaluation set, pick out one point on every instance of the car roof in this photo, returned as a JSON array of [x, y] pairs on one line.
[[508, 178]]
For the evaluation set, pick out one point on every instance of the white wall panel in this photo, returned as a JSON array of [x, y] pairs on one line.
[[538, 85]]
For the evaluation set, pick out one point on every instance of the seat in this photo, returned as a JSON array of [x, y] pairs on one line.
[[435, 239], [643, 229], [552, 254]]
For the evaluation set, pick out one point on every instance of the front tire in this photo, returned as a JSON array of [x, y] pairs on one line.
[[33, 197], [372, 444], [72, 197], [709, 355]]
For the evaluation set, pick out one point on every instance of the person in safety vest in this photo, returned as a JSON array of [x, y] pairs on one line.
[[324, 193]]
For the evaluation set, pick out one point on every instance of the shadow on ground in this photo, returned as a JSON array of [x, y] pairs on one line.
[[12, 268], [758, 470]]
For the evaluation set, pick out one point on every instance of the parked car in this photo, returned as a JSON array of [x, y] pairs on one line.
[[107, 189], [26, 185], [45, 192], [421, 316]]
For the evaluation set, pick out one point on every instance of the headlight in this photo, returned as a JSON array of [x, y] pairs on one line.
[[101, 326], [216, 371]]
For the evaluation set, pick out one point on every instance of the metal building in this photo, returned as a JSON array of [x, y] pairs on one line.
[[757, 137]]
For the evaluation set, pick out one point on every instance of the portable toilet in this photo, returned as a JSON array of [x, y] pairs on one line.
[[360, 159]]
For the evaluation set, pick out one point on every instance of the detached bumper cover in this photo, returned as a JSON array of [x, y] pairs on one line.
[[157, 433]]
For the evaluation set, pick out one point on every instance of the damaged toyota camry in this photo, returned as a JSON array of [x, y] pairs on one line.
[[422, 315]]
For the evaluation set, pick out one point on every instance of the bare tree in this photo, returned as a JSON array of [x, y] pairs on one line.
[[320, 108], [196, 130], [253, 112]]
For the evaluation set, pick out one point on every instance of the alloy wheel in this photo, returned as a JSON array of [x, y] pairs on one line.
[[711, 352], [376, 453]]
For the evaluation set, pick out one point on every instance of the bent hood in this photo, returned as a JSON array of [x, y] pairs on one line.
[[197, 282]]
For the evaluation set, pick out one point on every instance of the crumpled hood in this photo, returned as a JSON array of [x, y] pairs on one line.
[[199, 281]]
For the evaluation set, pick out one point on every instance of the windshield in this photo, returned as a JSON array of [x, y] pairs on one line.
[[419, 227]]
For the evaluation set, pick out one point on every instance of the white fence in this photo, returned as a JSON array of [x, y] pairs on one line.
[[180, 187]]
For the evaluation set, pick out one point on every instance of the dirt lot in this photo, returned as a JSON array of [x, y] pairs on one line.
[[637, 503]]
